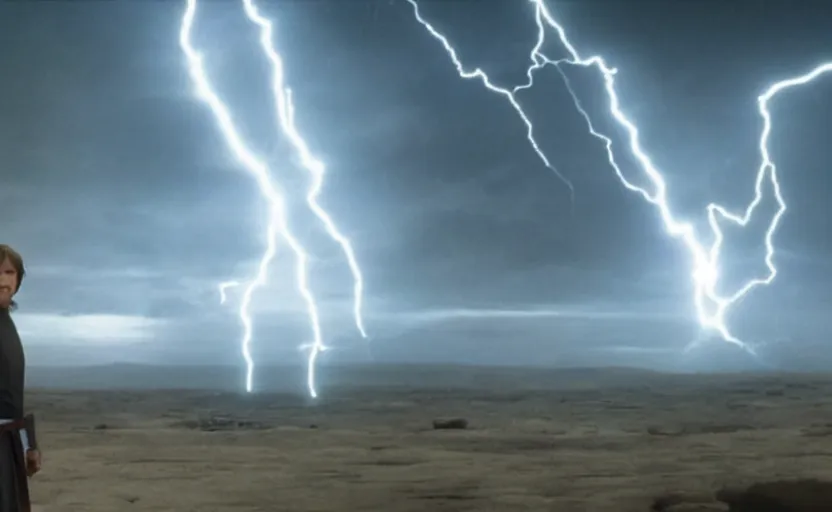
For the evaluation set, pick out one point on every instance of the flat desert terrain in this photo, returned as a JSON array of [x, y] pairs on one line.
[[536, 440]]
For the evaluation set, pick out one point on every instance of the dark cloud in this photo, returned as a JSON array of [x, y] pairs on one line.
[[119, 190]]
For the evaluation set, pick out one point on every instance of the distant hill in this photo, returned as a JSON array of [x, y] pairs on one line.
[[292, 378]]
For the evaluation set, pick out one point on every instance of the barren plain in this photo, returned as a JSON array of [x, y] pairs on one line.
[[604, 440]]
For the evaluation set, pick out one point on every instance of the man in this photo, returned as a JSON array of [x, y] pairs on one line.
[[19, 455]]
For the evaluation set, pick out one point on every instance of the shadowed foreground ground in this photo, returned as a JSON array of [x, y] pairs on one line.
[[562, 441]]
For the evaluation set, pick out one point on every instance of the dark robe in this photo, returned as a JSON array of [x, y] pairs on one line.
[[14, 495]]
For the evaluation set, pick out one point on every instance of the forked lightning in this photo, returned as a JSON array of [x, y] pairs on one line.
[[278, 226], [711, 307]]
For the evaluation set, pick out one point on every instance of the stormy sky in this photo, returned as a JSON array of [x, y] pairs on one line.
[[129, 208]]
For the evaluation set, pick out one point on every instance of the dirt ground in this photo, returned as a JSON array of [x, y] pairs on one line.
[[576, 442]]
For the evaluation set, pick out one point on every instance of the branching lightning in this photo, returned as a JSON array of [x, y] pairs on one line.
[[711, 307], [286, 116], [508, 94], [278, 227]]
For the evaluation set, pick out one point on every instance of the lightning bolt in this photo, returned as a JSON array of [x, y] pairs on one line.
[[711, 307], [278, 227], [286, 116]]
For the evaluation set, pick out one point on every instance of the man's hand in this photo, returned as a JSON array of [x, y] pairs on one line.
[[32, 462]]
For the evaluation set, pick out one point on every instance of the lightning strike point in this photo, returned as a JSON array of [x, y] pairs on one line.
[[277, 227]]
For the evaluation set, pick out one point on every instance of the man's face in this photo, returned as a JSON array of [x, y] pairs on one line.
[[8, 283]]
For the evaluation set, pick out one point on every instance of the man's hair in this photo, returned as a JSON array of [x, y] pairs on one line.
[[14, 257]]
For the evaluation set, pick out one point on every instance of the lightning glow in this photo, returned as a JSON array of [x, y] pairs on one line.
[[711, 307], [277, 218]]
